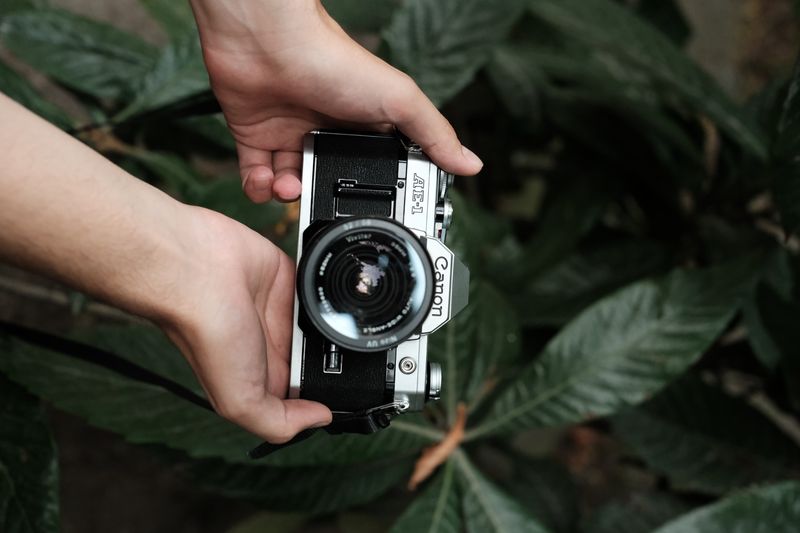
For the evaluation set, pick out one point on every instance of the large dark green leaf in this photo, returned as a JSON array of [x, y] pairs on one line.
[[621, 350], [695, 434], [178, 74], [475, 233], [16, 87], [519, 83], [667, 16], [28, 464], [89, 56], [476, 345], [223, 195], [315, 490], [546, 488], [150, 349], [140, 412], [787, 162], [351, 14], [443, 43], [212, 128], [571, 285], [618, 37], [487, 509], [639, 513], [9, 6], [436, 509], [777, 283], [175, 17], [572, 207], [145, 413], [771, 509], [226, 196]]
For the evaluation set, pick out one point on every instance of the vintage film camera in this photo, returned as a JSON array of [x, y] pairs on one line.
[[374, 277]]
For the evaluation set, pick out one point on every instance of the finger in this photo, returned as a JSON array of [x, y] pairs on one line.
[[273, 419], [287, 169], [255, 167], [297, 416], [416, 116]]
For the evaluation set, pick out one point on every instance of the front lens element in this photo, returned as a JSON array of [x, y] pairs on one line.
[[366, 283]]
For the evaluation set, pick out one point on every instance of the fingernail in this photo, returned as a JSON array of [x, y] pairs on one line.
[[321, 424], [470, 156], [244, 181]]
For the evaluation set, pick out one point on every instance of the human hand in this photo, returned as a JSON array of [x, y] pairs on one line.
[[233, 323], [222, 292], [280, 69]]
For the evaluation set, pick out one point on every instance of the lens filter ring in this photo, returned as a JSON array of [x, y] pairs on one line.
[[366, 283]]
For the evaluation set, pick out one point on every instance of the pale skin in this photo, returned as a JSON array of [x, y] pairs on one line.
[[222, 292]]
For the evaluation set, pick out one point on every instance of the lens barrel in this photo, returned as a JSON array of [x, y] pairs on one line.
[[366, 283]]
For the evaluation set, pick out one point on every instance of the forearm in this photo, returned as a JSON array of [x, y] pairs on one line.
[[69, 213], [259, 22]]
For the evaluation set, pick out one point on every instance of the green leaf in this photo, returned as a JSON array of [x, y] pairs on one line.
[[778, 278], [212, 128], [518, 82], [778, 317], [571, 208], [151, 349], [140, 412], [174, 172], [667, 16], [179, 73], [28, 464], [144, 413], [475, 233], [563, 291], [618, 36], [773, 332], [486, 509], [353, 17], [443, 43], [89, 56], [436, 509], [763, 509], [10, 6], [786, 189], [693, 433], [16, 87], [313, 490], [265, 522], [639, 513], [175, 17], [546, 488], [621, 350], [145, 346], [226, 196], [475, 346]]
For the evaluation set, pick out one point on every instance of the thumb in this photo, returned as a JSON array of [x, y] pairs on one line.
[[407, 107], [286, 418]]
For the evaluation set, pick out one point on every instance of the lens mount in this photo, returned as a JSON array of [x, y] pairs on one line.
[[366, 283]]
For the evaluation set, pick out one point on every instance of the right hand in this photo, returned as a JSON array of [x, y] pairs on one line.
[[280, 69]]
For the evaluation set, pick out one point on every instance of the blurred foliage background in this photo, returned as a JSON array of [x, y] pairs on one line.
[[630, 360]]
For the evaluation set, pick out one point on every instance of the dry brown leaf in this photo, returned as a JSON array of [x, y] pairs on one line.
[[437, 454]]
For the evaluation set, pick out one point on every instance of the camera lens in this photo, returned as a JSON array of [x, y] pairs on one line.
[[366, 283]]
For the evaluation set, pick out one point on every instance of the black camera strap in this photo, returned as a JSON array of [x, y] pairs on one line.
[[363, 422]]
